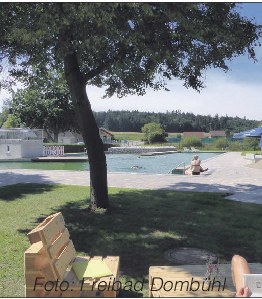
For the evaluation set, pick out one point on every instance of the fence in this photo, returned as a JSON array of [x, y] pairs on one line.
[[55, 151], [21, 134]]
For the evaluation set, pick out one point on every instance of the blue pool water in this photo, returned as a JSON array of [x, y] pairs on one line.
[[161, 164]]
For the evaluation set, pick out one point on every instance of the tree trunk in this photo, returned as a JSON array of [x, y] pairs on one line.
[[56, 135], [90, 132], [49, 135]]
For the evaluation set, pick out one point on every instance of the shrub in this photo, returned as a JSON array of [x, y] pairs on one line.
[[153, 133], [156, 137], [191, 141], [236, 146], [251, 143], [221, 143]]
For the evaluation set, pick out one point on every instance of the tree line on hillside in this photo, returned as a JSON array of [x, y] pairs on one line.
[[133, 121], [174, 121]]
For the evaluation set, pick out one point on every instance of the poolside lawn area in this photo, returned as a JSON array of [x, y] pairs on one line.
[[139, 227]]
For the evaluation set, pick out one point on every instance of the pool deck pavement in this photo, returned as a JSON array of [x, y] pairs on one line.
[[227, 173]]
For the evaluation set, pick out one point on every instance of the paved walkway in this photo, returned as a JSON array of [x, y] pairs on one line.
[[227, 173]]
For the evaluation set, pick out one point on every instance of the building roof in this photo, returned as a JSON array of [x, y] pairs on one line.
[[106, 133], [217, 133], [197, 134]]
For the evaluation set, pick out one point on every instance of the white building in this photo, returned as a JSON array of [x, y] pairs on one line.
[[73, 137], [21, 143]]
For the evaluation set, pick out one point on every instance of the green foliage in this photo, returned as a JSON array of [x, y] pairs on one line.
[[236, 146], [126, 46], [153, 133], [11, 122], [251, 143], [4, 115], [191, 141], [221, 143], [243, 153], [178, 136], [129, 136], [156, 137], [174, 121], [45, 104]]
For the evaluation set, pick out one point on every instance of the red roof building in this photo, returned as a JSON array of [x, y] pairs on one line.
[[216, 134], [196, 134]]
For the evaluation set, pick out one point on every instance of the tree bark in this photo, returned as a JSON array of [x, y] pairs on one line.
[[56, 135], [90, 132], [49, 135]]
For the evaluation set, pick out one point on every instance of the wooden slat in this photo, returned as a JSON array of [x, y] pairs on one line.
[[48, 231], [35, 249], [113, 264], [36, 263], [71, 277], [30, 279], [34, 234], [53, 249], [35, 294], [50, 255], [48, 273], [61, 264], [185, 273]]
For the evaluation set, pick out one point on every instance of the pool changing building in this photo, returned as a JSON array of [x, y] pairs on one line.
[[21, 143]]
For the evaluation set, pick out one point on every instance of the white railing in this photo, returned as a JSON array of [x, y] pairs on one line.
[[55, 151]]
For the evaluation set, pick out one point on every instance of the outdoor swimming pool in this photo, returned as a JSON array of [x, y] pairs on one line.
[[161, 164]]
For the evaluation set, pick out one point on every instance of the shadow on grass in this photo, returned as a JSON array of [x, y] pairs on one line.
[[18, 191], [142, 224]]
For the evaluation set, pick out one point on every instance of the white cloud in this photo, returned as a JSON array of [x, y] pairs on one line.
[[222, 95]]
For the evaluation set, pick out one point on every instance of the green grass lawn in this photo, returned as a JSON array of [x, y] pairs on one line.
[[250, 152], [139, 227], [129, 136]]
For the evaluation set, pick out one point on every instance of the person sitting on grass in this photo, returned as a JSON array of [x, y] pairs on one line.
[[195, 167], [239, 266]]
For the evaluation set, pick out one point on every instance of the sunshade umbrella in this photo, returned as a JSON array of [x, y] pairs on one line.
[[256, 132]]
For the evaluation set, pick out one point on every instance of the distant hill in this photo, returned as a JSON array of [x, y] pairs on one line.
[[175, 121]]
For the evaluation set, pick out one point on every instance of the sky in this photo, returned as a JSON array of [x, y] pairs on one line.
[[237, 92]]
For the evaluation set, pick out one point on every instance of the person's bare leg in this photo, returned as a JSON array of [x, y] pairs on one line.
[[239, 267]]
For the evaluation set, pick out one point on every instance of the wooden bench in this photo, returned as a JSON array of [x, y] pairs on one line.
[[48, 265], [187, 281]]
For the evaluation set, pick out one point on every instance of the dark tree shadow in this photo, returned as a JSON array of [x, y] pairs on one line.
[[18, 191], [141, 225]]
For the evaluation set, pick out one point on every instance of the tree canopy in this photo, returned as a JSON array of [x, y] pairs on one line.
[[126, 47], [154, 133], [172, 121], [45, 104]]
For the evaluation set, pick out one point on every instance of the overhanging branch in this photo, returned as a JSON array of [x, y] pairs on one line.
[[90, 75], [103, 66]]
